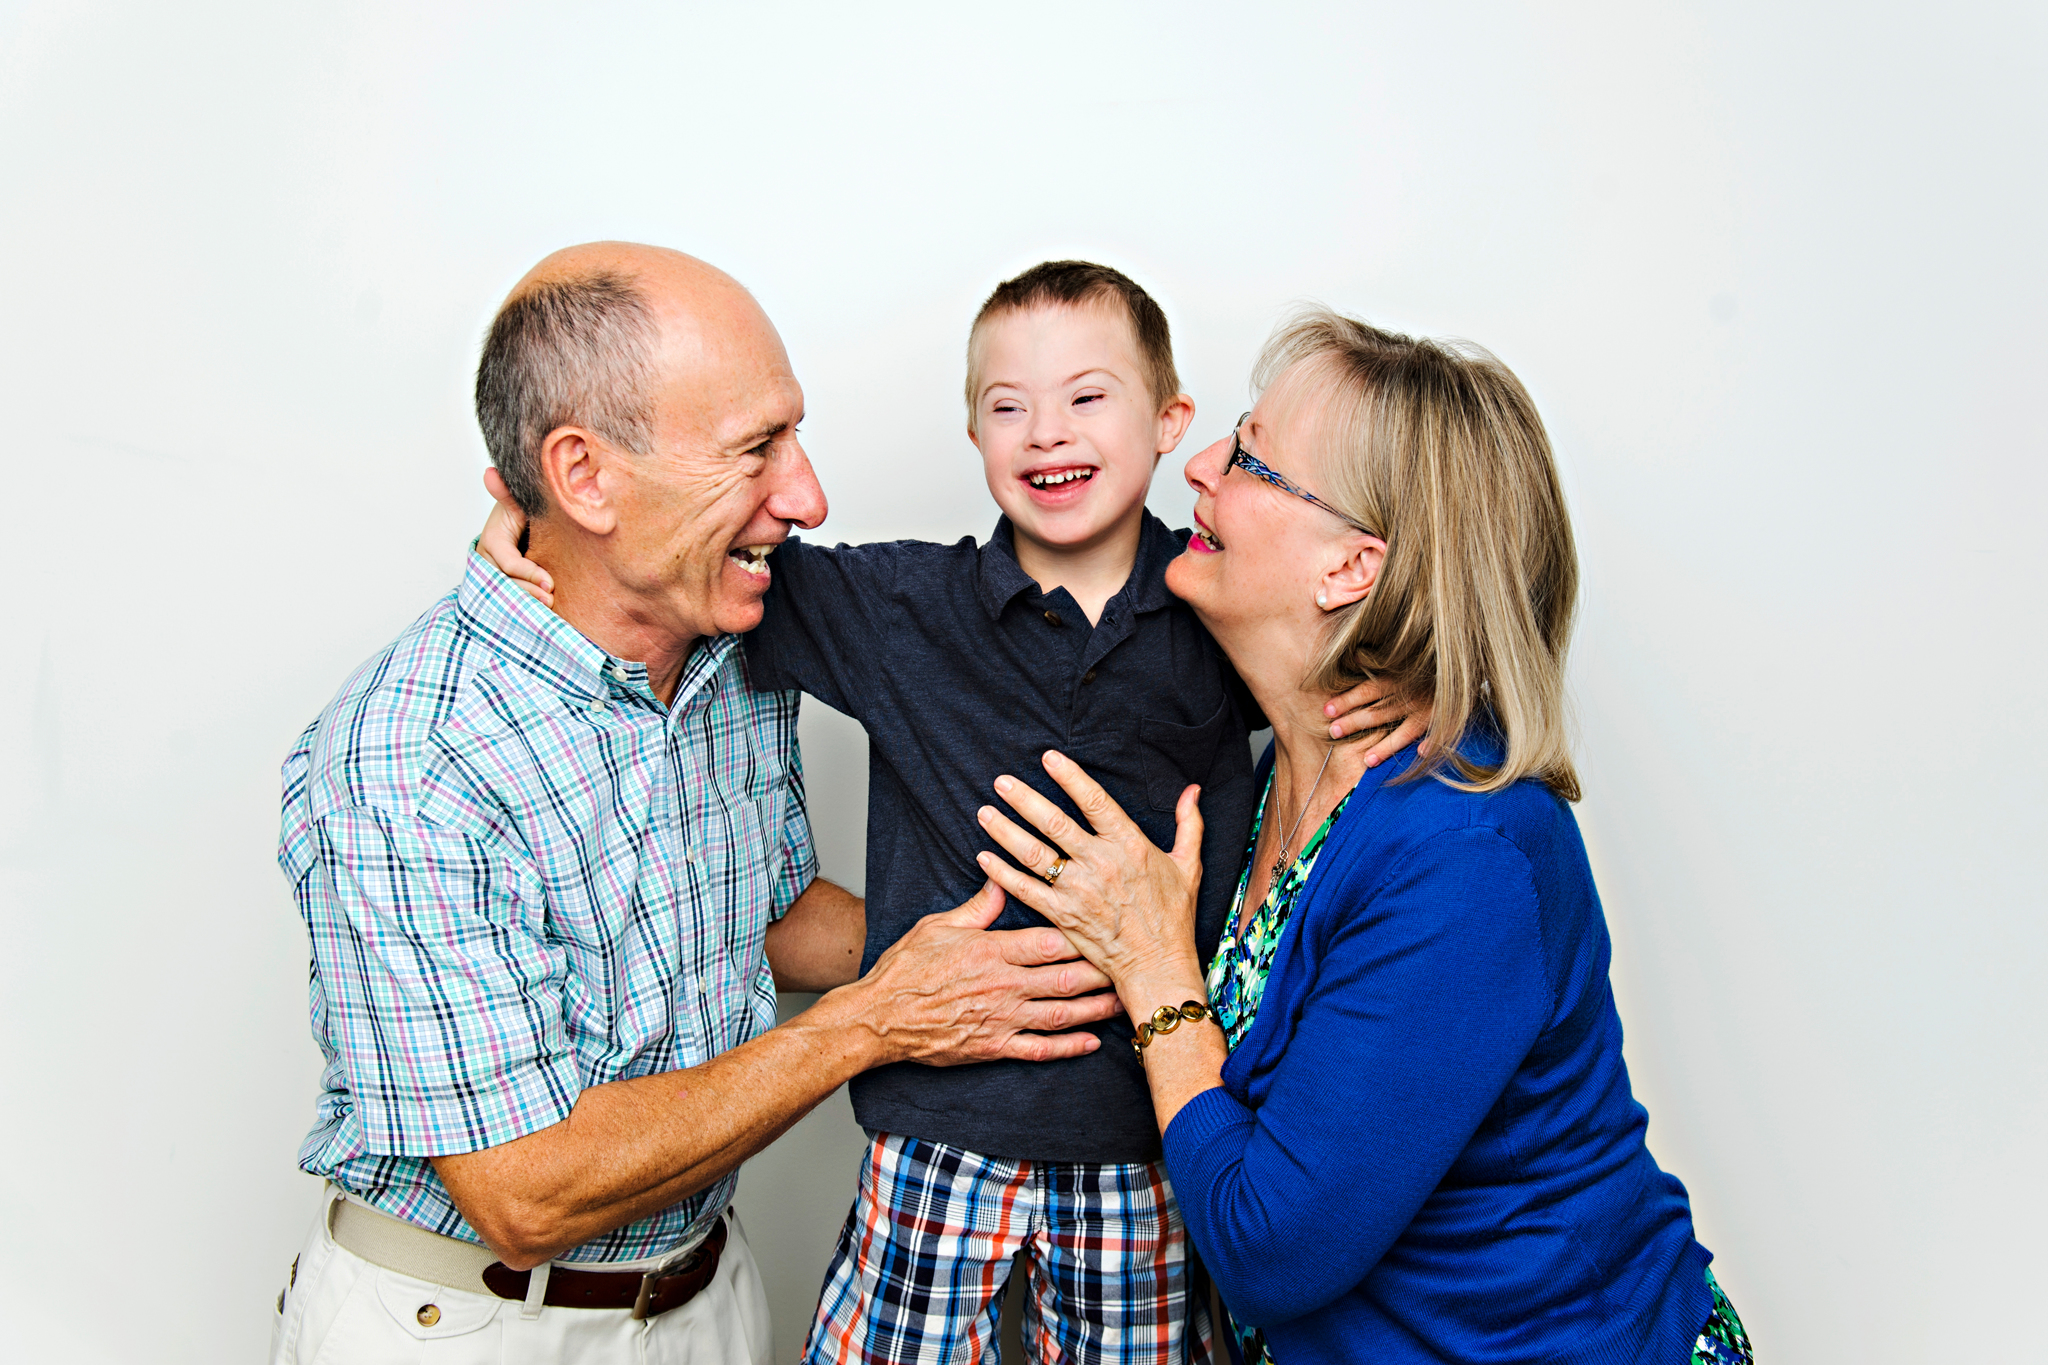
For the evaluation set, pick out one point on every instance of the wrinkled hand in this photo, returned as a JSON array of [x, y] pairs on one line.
[[499, 542], [1375, 705], [1129, 907], [950, 991]]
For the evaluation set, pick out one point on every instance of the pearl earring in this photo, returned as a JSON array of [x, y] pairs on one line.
[[1322, 600]]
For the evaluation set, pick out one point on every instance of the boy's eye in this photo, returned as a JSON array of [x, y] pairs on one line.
[[1088, 398]]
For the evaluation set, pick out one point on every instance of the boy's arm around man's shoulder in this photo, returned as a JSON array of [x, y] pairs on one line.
[[824, 620]]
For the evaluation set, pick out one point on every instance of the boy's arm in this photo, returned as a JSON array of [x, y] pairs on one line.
[[822, 623], [817, 943]]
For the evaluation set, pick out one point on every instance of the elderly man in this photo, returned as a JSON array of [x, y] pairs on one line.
[[547, 858]]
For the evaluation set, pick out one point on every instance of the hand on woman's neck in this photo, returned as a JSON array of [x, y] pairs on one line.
[[1301, 732]]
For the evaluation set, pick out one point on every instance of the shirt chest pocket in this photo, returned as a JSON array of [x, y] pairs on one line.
[[1176, 755]]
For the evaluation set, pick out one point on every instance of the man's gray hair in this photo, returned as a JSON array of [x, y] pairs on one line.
[[573, 352]]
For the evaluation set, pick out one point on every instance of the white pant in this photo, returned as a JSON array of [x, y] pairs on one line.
[[342, 1310]]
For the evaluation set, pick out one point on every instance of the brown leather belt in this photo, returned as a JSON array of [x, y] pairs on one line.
[[648, 1295]]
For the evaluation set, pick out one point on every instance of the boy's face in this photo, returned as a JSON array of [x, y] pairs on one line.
[[1067, 429]]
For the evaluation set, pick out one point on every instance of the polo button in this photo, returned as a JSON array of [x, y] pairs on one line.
[[428, 1315], [1052, 617], [1089, 676]]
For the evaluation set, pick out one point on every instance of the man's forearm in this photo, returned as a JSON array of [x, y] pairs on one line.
[[817, 944], [632, 1148], [947, 992]]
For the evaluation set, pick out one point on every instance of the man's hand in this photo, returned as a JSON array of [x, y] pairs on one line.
[[950, 991]]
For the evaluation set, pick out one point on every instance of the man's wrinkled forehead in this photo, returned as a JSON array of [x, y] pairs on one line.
[[724, 366]]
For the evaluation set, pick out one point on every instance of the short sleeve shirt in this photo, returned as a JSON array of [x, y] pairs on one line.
[[960, 668], [523, 875]]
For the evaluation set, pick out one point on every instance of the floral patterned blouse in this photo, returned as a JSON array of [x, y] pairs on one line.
[[1237, 975]]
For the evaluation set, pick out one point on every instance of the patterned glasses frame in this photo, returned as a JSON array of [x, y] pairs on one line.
[[1240, 458]]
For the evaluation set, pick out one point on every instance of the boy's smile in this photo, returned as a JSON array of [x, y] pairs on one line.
[[1069, 433]]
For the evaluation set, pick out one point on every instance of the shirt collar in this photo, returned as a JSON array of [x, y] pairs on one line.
[[543, 643], [1001, 579]]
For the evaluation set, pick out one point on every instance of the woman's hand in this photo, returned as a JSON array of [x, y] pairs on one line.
[[1127, 906], [1375, 705], [500, 542]]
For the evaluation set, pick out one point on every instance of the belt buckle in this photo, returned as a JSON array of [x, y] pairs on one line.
[[646, 1293], [687, 1262]]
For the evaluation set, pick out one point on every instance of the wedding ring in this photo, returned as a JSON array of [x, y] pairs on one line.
[[1052, 874]]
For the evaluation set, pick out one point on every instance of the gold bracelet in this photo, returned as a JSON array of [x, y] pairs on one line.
[[1166, 1019]]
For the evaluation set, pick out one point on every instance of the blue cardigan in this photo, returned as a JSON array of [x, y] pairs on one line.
[[1425, 1148]]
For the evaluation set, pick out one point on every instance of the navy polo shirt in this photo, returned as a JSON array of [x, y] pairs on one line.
[[960, 669]]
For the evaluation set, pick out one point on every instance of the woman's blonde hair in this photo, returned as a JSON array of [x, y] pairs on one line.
[[1436, 447]]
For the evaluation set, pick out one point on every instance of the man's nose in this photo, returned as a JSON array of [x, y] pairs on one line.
[[797, 497], [1205, 467]]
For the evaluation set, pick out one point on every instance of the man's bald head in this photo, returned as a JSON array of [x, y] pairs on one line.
[[580, 341]]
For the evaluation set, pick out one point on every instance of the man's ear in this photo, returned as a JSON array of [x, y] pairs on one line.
[[1350, 580], [1174, 419], [584, 477]]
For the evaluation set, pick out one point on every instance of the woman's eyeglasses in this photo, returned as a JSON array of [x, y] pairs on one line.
[[1240, 458]]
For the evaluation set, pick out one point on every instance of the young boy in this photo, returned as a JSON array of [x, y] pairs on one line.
[[962, 662]]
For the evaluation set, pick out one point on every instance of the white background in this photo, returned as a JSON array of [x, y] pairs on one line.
[[1772, 271]]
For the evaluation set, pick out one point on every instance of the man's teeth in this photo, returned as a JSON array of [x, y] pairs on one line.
[[752, 558], [1063, 476]]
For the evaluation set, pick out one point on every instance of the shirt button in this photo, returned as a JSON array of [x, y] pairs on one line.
[[428, 1315], [618, 670], [598, 706], [1052, 618], [1089, 676]]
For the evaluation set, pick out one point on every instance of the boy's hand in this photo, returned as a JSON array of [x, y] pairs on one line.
[[1374, 705], [499, 543]]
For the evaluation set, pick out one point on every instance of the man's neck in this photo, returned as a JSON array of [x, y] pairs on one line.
[[599, 607], [1091, 573]]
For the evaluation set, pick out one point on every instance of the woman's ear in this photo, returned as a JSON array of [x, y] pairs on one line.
[[585, 478], [1350, 580]]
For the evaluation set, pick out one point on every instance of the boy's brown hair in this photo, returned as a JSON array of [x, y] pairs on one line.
[[1078, 284]]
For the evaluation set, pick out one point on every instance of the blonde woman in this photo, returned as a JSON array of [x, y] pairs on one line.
[[1394, 1107]]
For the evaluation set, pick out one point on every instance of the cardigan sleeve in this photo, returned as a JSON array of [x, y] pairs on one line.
[[1426, 997]]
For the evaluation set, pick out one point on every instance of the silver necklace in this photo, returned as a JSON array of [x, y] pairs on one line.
[[1280, 862]]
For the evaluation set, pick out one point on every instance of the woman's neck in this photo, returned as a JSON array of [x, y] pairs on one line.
[[1301, 732]]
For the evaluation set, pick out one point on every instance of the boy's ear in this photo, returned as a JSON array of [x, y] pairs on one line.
[[584, 478], [974, 436], [1350, 580], [1174, 420]]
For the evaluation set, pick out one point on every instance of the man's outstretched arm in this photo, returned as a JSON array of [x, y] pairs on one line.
[[948, 992]]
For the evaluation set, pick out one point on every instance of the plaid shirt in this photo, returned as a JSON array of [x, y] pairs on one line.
[[522, 876]]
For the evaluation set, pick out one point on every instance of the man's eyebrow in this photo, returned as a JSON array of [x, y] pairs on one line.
[[760, 434]]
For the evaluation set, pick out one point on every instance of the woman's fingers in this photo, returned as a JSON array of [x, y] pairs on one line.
[[1020, 885], [1016, 840], [1104, 815]]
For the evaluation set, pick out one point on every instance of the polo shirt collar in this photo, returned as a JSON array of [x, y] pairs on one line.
[[1000, 579], [532, 636]]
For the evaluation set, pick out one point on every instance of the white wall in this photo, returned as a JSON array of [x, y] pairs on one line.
[[1773, 273]]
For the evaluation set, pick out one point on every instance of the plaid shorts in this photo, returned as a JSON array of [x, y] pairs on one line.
[[924, 1261]]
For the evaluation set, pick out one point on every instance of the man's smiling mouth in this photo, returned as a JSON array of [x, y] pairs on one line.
[[752, 558]]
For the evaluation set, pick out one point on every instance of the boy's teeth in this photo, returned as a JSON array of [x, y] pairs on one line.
[[1065, 476]]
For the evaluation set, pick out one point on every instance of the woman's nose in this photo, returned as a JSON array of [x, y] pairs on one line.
[[1205, 467]]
